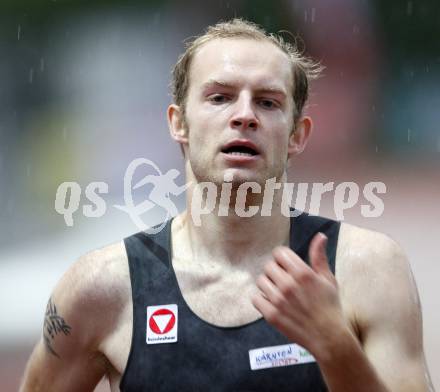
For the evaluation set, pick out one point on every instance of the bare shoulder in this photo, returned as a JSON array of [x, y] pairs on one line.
[[103, 271], [85, 308], [380, 298], [374, 275], [93, 293], [370, 252], [99, 280]]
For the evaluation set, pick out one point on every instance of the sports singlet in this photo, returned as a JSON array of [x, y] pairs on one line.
[[207, 357]]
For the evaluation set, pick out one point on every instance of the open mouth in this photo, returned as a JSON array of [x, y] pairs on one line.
[[240, 151]]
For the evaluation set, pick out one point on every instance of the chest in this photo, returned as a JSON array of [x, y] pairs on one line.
[[218, 295], [206, 357]]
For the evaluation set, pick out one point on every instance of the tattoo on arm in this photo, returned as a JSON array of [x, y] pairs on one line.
[[53, 325]]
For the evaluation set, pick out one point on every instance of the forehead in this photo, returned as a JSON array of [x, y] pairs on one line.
[[242, 61]]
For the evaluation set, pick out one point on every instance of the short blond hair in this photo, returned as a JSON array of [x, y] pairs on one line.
[[304, 69]]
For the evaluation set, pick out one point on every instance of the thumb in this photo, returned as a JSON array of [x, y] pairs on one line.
[[318, 255]]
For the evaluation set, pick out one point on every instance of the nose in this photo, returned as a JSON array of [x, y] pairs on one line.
[[244, 116]]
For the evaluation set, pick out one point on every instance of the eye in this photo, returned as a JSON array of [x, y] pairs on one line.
[[268, 103], [218, 98]]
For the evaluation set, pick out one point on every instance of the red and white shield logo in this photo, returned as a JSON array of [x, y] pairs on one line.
[[162, 321], [162, 324]]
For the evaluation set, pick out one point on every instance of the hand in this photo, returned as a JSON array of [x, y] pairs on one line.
[[302, 302]]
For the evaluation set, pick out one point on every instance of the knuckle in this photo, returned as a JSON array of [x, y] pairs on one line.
[[287, 288], [278, 301], [304, 277]]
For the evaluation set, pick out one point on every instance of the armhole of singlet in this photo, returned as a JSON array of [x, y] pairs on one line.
[[337, 230], [308, 226], [133, 305], [161, 237]]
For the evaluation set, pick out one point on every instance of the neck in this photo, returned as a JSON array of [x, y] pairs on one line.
[[223, 235]]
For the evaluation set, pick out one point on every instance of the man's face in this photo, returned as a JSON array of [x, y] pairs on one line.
[[239, 111]]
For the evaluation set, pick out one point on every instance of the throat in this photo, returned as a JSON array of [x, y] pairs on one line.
[[238, 239], [228, 242]]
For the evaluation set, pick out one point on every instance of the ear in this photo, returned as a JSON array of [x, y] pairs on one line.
[[300, 136], [176, 124]]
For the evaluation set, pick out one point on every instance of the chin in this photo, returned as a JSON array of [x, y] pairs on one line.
[[203, 173]]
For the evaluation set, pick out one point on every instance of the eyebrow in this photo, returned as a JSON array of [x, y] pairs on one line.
[[216, 83], [265, 89]]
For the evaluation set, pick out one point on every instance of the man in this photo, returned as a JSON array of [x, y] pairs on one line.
[[237, 303]]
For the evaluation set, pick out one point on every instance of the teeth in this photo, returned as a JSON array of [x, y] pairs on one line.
[[246, 154]]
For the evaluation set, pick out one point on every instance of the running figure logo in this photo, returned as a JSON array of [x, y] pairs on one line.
[[163, 186]]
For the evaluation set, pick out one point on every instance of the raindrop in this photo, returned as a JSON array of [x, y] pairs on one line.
[[377, 148], [409, 135], [355, 29], [409, 8], [31, 75], [64, 133], [18, 32], [28, 170], [305, 16], [313, 15], [42, 64]]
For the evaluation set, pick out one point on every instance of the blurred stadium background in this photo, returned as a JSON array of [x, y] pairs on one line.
[[84, 86]]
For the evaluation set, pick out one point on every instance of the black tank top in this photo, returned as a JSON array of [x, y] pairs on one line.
[[207, 357]]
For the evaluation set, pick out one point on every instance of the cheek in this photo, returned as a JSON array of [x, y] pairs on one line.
[[280, 140], [199, 140], [197, 121]]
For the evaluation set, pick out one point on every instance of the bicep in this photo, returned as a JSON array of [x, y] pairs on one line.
[[397, 355], [46, 372], [65, 358]]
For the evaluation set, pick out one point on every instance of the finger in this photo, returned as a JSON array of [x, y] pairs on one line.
[[261, 303], [285, 287], [318, 255], [271, 314], [264, 306], [290, 261], [269, 290], [276, 274]]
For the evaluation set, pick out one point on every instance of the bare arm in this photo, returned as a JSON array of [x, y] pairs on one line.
[[62, 362], [77, 318], [386, 310], [306, 305]]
